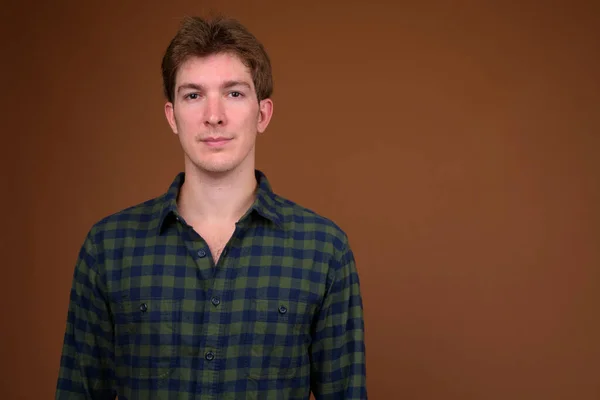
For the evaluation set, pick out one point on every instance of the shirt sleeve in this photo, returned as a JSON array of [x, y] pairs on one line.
[[87, 358], [338, 366]]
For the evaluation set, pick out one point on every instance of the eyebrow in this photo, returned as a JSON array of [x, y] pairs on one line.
[[226, 85], [230, 84]]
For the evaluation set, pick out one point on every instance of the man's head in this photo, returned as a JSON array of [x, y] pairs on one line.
[[217, 81], [199, 38]]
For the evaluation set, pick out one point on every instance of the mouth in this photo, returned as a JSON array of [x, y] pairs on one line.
[[216, 141]]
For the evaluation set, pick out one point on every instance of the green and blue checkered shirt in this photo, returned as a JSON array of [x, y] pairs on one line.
[[152, 317]]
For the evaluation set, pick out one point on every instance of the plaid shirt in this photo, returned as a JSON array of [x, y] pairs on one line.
[[152, 317]]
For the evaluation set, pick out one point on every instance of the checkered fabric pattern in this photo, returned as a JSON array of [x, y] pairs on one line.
[[152, 317]]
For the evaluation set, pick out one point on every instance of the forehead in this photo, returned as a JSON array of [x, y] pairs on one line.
[[213, 70]]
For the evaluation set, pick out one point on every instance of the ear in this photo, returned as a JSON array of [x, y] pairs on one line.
[[265, 112], [170, 114]]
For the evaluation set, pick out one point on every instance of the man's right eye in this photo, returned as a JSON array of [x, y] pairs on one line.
[[191, 96]]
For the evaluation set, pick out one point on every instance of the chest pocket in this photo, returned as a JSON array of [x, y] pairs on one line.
[[281, 337], [146, 335]]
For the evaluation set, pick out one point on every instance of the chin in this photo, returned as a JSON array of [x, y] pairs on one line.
[[217, 171], [217, 168], [215, 165]]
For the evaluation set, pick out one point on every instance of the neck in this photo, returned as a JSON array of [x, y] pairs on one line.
[[216, 197]]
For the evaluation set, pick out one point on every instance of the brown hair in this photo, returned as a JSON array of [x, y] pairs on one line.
[[200, 37]]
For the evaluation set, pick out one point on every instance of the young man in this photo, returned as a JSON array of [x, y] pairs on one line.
[[219, 288]]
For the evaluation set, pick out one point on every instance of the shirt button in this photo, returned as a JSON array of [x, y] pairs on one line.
[[209, 356], [215, 300], [282, 309], [143, 307], [201, 253]]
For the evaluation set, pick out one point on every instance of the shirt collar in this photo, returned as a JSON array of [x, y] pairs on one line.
[[265, 204]]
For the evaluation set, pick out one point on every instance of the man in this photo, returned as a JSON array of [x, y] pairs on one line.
[[219, 288]]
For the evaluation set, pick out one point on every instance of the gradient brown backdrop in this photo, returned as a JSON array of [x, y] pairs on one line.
[[458, 145]]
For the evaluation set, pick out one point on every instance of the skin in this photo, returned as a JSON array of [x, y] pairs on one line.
[[217, 117]]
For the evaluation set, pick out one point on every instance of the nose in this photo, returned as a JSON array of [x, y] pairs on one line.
[[215, 113]]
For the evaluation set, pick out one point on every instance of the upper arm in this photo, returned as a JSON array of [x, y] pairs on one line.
[[338, 367], [87, 357]]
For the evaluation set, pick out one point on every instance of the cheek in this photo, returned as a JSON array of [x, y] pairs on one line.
[[250, 122], [185, 120]]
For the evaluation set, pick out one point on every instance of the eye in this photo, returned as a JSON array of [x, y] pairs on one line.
[[236, 94], [191, 96]]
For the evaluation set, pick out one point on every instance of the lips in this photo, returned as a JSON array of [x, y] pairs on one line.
[[216, 141]]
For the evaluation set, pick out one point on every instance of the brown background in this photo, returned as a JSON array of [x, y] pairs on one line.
[[458, 145]]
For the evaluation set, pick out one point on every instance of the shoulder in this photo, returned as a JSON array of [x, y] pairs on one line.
[[318, 238], [307, 224], [130, 221]]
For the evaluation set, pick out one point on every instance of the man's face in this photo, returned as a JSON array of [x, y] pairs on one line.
[[216, 114]]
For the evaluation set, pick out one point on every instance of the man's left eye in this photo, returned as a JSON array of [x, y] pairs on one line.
[[236, 94]]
